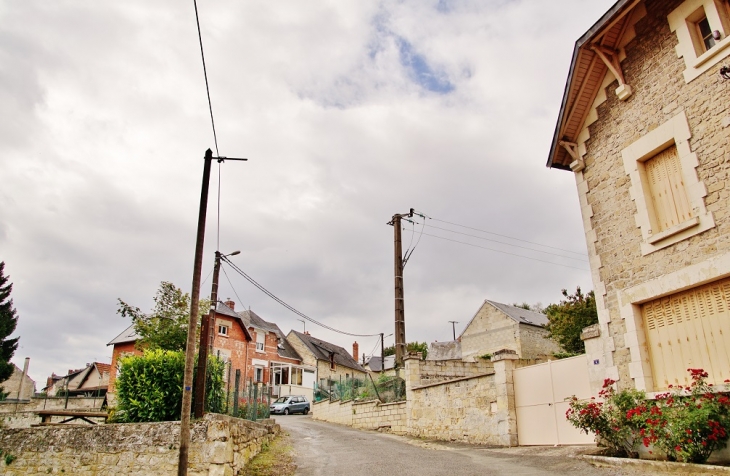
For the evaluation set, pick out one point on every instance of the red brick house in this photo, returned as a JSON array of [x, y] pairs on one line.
[[123, 345]]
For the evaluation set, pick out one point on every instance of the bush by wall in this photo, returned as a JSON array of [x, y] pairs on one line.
[[686, 424]]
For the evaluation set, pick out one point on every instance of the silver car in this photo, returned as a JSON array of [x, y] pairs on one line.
[[290, 404]]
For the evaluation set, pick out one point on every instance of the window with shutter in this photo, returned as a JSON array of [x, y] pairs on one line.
[[666, 188]]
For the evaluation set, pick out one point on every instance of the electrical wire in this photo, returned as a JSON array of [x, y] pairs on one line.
[[292, 309], [240, 301], [205, 73], [503, 243], [408, 255], [218, 234], [503, 236], [505, 252]]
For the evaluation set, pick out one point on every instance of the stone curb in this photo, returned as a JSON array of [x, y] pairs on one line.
[[656, 466]]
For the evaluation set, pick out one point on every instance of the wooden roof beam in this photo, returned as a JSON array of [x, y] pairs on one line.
[[610, 58]]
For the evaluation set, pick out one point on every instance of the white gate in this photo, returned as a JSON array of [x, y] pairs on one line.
[[540, 393]]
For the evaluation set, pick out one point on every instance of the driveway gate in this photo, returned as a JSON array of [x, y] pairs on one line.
[[540, 393]]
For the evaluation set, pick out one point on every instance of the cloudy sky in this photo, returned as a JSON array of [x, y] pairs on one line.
[[349, 111]]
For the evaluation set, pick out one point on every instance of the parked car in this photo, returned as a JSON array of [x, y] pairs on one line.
[[290, 404]]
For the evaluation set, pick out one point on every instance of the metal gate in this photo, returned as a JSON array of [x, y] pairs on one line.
[[540, 393]]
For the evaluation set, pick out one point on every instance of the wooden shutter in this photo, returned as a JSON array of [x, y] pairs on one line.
[[666, 187], [690, 329]]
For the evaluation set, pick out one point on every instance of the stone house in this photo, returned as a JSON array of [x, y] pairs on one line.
[[375, 365], [92, 380], [17, 390], [497, 326], [643, 126], [331, 362]]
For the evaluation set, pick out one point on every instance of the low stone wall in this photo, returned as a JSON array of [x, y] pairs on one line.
[[369, 415], [463, 409], [432, 371], [220, 445], [23, 415]]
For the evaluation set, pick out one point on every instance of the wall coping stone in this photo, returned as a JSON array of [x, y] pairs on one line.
[[446, 382]]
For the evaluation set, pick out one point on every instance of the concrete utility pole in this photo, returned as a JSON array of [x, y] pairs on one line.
[[187, 397], [400, 322], [453, 327]]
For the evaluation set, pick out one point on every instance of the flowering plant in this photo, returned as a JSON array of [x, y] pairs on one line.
[[686, 423], [608, 418]]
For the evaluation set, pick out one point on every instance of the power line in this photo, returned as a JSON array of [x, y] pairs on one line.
[[240, 301], [503, 236], [505, 252], [205, 73], [501, 242], [292, 309]]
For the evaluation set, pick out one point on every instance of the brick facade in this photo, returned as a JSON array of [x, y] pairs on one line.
[[120, 350]]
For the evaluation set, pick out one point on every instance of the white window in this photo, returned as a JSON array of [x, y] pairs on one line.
[[703, 29], [222, 330], [260, 341]]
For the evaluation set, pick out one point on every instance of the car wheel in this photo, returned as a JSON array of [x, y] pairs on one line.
[[286, 411], [306, 410]]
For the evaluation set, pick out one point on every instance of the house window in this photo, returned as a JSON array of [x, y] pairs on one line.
[[259, 374], [666, 189], [260, 341], [223, 330], [669, 197], [702, 28]]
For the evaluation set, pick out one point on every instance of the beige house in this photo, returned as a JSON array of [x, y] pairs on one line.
[[332, 362], [644, 127], [17, 390], [497, 326], [92, 380]]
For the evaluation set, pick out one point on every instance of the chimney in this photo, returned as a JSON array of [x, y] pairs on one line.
[[230, 304], [355, 350]]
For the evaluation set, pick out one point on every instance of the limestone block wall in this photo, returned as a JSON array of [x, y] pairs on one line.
[[534, 343], [431, 371], [369, 415], [489, 331], [334, 412], [220, 445], [655, 72], [460, 410], [22, 415]]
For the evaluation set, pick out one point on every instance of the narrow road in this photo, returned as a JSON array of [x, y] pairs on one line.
[[328, 449]]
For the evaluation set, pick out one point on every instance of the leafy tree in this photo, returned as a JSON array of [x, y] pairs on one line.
[[8, 322], [166, 327], [410, 347], [537, 307], [568, 318]]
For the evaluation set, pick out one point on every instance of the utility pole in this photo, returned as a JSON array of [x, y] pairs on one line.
[[382, 354], [453, 327], [187, 397], [400, 319]]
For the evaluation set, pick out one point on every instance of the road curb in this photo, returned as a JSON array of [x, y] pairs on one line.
[[657, 466]]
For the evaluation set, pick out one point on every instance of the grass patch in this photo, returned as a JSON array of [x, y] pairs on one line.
[[275, 459]]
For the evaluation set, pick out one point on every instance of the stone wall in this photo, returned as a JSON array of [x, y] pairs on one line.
[[655, 72], [490, 330], [369, 415], [23, 415], [432, 371], [220, 445], [535, 344]]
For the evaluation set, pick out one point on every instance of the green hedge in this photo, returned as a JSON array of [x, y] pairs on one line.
[[149, 387]]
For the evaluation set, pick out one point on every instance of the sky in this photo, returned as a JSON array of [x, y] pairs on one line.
[[348, 111]]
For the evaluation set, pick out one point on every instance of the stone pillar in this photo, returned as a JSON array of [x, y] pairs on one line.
[[595, 356], [412, 376], [504, 363]]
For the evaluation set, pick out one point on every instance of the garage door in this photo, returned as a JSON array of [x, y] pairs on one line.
[[690, 329]]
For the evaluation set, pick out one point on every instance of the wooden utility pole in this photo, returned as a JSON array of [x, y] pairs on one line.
[[206, 342], [400, 320], [187, 394], [382, 354], [453, 327]]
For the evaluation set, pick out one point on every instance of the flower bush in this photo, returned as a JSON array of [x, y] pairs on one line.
[[607, 418], [687, 423]]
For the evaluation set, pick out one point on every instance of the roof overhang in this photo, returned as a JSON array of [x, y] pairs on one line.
[[587, 71]]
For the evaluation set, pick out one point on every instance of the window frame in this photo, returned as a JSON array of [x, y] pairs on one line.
[[223, 326], [260, 341], [673, 132], [684, 22]]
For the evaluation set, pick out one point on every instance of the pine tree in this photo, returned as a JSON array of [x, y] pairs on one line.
[[8, 321]]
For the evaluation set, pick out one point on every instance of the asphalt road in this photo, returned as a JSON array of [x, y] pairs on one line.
[[328, 449]]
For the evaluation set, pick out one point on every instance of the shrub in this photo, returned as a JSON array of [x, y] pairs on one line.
[[149, 387], [608, 419], [687, 423]]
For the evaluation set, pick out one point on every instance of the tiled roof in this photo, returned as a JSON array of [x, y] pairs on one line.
[[224, 310], [127, 335], [322, 350], [251, 319], [375, 364], [523, 316], [102, 367]]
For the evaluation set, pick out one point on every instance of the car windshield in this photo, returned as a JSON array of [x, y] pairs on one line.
[[281, 400]]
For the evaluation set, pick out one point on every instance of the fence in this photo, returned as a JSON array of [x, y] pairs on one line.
[[249, 400], [386, 389]]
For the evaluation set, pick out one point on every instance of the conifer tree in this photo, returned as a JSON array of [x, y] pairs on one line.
[[8, 321]]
